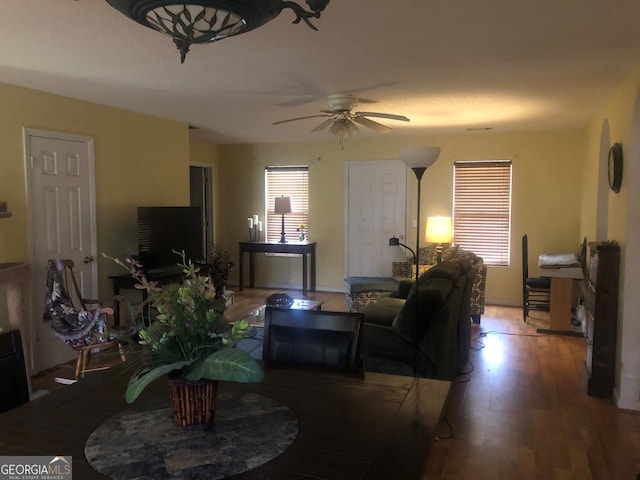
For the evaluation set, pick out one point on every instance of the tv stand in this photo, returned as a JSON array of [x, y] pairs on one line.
[[162, 275]]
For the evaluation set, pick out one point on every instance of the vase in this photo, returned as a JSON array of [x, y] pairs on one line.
[[193, 402]]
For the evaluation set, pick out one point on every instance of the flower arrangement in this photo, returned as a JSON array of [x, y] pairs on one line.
[[300, 229], [189, 334], [220, 265]]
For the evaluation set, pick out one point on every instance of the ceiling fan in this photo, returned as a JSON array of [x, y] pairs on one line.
[[342, 121]]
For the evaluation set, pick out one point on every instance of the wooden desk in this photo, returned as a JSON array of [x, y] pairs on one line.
[[373, 426], [562, 279], [296, 248]]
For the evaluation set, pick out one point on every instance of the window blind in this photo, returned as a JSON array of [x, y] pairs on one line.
[[291, 182], [482, 209]]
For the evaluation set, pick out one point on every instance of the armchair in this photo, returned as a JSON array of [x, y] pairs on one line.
[[443, 330], [427, 258]]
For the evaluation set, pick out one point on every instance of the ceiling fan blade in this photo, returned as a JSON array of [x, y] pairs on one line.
[[323, 125], [378, 127], [389, 116], [366, 100], [299, 118]]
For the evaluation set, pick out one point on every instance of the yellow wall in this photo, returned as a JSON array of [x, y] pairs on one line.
[[620, 222], [139, 160], [142, 160], [546, 195]]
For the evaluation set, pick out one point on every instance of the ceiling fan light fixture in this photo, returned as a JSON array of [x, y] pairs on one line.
[[205, 21], [343, 127]]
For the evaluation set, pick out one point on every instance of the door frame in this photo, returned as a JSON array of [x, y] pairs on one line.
[[36, 300], [210, 213]]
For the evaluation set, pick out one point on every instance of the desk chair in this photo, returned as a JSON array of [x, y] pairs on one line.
[[14, 386], [536, 291], [83, 329], [312, 338]]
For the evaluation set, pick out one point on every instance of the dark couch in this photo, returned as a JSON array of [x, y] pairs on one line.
[[443, 325]]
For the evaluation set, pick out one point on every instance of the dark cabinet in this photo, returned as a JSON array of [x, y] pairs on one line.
[[602, 317], [14, 387]]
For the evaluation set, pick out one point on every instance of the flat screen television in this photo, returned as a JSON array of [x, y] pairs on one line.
[[161, 230]]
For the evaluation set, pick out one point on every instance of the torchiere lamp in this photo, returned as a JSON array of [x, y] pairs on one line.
[[418, 159], [438, 231], [282, 205]]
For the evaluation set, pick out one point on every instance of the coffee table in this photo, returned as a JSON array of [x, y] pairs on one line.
[[255, 317], [252, 341]]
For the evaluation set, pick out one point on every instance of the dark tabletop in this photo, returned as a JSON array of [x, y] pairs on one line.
[[367, 426]]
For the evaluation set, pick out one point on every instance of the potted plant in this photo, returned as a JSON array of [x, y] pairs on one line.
[[220, 265], [190, 340]]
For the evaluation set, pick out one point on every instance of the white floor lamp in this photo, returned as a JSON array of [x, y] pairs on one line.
[[418, 159]]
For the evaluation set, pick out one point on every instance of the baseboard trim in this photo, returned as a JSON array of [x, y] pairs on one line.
[[566, 333]]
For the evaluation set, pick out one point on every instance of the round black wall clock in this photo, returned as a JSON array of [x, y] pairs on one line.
[[615, 167]]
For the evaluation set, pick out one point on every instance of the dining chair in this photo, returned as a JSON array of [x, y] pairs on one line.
[[312, 338], [536, 291], [14, 385], [80, 322]]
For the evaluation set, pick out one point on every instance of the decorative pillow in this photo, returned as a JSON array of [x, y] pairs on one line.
[[402, 269], [429, 254], [449, 252]]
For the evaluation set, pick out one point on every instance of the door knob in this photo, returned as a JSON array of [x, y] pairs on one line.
[[87, 259]]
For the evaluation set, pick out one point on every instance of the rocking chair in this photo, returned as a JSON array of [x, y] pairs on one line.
[[83, 329]]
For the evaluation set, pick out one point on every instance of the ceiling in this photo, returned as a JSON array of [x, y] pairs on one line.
[[449, 66]]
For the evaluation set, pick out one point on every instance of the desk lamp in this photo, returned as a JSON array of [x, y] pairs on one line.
[[438, 231], [282, 206]]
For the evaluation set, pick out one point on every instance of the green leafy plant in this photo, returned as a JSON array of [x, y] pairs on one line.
[[189, 334]]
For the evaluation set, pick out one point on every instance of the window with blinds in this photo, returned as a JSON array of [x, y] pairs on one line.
[[291, 182], [482, 209]]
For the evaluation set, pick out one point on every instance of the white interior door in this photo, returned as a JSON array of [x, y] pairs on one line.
[[376, 210], [62, 225]]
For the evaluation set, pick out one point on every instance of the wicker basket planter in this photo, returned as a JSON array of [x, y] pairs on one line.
[[193, 402]]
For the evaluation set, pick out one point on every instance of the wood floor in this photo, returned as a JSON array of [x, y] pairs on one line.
[[521, 412]]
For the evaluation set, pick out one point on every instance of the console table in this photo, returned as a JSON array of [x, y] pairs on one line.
[[298, 248]]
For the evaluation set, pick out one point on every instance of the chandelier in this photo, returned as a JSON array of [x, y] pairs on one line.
[[206, 21]]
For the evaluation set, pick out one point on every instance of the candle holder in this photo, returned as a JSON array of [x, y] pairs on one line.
[[255, 228]]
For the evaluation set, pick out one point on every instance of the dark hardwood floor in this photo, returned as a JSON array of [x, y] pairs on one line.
[[521, 411]]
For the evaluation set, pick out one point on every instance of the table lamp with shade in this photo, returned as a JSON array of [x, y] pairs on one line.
[[438, 231], [281, 207]]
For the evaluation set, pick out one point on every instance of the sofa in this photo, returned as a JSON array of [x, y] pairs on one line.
[[435, 311], [428, 258]]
